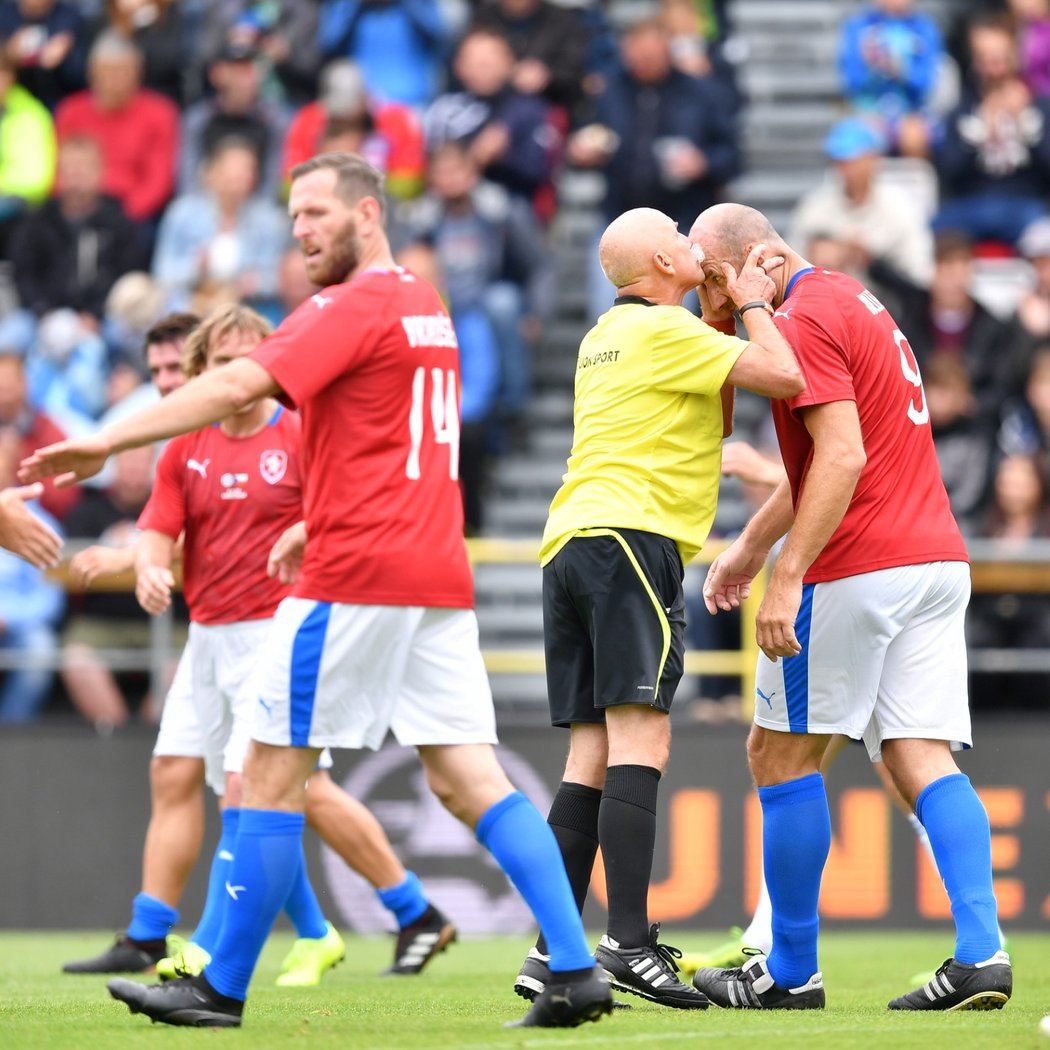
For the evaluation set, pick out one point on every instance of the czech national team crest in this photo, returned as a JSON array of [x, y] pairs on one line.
[[272, 465]]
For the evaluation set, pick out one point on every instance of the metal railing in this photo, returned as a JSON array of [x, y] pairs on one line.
[[996, 567]]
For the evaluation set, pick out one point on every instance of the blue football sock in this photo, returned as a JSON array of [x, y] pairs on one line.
[[796, 838], [405, 900], [151, 918], [524, 846], [210, 925], [302, 906], [957, 824], [265, 862]]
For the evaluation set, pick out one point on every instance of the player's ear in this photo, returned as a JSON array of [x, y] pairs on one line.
[[663, 262]]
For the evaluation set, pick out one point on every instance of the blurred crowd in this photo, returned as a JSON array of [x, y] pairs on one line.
[[145, 152]]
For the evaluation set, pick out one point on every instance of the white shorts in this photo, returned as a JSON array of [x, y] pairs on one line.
[[225, 660], [338, 675], [179, 732], [883, 658]]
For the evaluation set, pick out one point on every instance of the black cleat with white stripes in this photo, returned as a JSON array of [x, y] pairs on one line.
[[650, 971], [751, 987], [985, 985], [417, 944]]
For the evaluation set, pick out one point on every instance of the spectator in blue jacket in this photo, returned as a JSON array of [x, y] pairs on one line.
[[399, 44], [890, 58], [505, 131], [47, 40], [30, 606], [664, 139]]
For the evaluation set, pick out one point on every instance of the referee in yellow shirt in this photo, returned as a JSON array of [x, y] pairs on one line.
[[653, 401]]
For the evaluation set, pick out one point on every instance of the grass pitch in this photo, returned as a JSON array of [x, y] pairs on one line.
[[465, 995]]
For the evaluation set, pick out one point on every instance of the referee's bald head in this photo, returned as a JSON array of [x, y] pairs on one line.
[[630, 241]]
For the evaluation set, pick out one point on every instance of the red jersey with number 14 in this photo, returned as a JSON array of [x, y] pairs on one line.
[[373, 367], [233, 497], [850, 349]]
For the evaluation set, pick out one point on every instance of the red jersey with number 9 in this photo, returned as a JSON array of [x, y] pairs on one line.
[[373, 367], [850, 349]]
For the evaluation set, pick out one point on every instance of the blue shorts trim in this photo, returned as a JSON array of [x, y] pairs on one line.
[[307, 650], [796, 668]]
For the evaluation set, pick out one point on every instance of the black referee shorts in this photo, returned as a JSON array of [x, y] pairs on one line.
[[613, 623]]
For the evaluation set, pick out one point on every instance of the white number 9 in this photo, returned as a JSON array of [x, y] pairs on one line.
[[920, 413]]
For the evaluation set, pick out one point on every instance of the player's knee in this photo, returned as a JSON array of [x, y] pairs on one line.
[[175, 778], [446, 788]]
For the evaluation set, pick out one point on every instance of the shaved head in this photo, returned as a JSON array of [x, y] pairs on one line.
[[631, 240], [728, 231]]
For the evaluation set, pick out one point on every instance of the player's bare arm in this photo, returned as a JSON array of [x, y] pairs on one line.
[[208, 398], [744, 461], [286, 555], [155, 580], [838, 459], [22, 532], [729, 576], [94, 563]]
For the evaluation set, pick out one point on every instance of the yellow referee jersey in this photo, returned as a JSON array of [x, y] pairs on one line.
[[647, 419]]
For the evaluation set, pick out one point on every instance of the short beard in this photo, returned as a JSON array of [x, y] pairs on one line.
[[343, 259]]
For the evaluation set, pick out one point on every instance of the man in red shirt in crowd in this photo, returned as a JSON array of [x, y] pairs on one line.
[[379, 633], [388, 135], [137, 129], [861, 627]]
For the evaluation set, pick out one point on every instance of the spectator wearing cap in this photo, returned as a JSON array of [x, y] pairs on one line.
[[236, 110], [388, 135], [993, 161], [284, 34], [136, 129], [47, 42], [399, 45], [890, 58], [879, 226]]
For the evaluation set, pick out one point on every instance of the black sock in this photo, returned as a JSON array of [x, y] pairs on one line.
[[627, 833], [574, 820]]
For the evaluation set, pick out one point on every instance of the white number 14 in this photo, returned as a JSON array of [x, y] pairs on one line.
[[444, 416]]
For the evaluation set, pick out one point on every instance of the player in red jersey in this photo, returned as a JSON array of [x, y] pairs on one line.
[[861, 627], [231, 491], [380, 631], [176, 828]]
